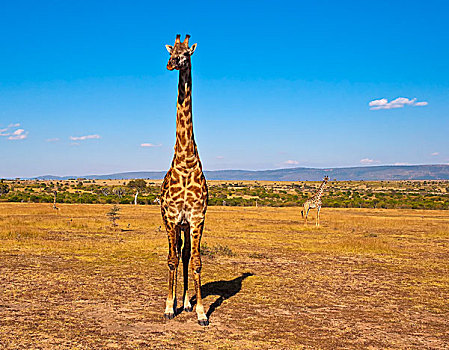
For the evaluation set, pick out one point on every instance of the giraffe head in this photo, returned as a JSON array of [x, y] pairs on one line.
[[180, 53], [326, 179]]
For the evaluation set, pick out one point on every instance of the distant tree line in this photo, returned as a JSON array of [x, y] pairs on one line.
[[354, 194]]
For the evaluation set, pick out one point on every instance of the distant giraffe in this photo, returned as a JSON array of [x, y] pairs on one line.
[[184, 190], [54, 200], [314, 202]]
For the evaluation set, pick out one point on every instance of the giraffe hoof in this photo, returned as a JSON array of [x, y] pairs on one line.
[[188, 309], [203, 322], [169, 316]]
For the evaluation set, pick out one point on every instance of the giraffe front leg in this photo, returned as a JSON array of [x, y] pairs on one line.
[[196, 265], [317, 223], [173, 262]]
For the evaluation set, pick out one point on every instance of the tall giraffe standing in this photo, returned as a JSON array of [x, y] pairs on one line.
[[314, 202], [184, 190]]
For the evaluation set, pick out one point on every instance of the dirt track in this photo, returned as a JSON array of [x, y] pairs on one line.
[[365, 279]]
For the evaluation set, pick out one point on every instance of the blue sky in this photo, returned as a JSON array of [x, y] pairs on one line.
[[275, 83]]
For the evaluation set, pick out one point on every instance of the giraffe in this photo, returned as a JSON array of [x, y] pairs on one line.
[[314, 202], [184, 191], [54, 200]]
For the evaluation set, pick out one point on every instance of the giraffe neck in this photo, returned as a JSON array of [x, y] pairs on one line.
[[319, 193], [186, 154]]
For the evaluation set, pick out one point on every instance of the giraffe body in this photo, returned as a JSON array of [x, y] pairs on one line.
[[314, 203], [184, 191]]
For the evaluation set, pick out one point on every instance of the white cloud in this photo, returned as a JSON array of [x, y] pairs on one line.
[[18, 137], [435, 154], [291, 162], [422, 103], [368, 161], [82, 138], [150, 145], [396, 103], [19, 134], [381, 102], [52, 140], [401, 163], [219, 157]]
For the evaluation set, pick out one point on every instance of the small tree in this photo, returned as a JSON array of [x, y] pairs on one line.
[[113, 215], [118, 191], [138, 184], [105, 191], [4, 188]]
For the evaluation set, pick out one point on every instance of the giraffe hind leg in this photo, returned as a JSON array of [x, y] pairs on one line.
[[186, 253], [195, 235], [306, 213]]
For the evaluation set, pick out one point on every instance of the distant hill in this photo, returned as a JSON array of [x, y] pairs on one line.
[[154, 175], [369, 173]]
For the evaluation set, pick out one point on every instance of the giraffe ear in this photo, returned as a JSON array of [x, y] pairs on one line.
[[169, 48], [192, 49]]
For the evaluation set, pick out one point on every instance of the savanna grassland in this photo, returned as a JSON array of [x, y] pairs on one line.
[[366, 279]]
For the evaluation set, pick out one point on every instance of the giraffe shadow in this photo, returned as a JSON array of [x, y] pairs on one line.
[[224, 290]]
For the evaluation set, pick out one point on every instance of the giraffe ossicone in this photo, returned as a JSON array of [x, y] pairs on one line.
[[184, 191]]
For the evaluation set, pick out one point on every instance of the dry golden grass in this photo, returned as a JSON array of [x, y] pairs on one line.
[[366, 279]]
